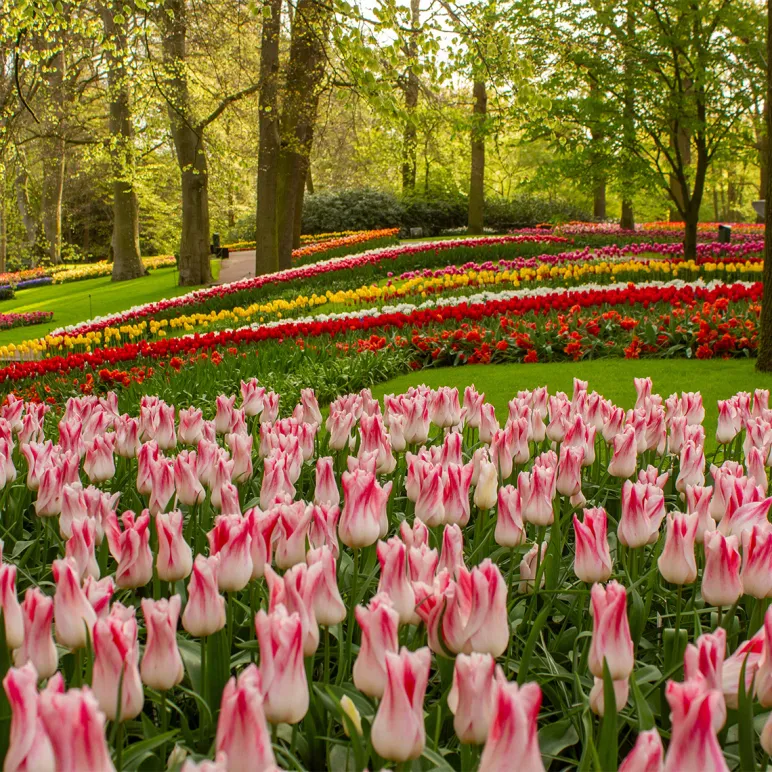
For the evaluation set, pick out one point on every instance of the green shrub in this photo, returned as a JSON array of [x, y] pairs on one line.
[[361, 209]]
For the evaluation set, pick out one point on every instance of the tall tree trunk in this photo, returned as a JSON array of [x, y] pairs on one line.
[[764, 360], [23, 202], [127, 261], [477, 176], [599, 199], [762, 143], [267, 220], [301, 98], [3, 220], [410, 134], [680, 141], [194, 264], [627, 218]]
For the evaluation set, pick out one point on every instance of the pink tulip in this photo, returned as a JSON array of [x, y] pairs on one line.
[[745, 517], [510, 531], [328, 605], [569, 477], [643, 387], [766, 736], [291, 533], [99, 592], [625, 459], [422, 563], [222, 472], [242, 731], [721, 581], [296, 591], [502, 452], [429, 504], [339, 424], [728, 422], [614, 420], [643, 509], [38, 645], [116, 658], [98, 506], [755, 461], [452, 555], [127, 442], [323, 528], [693, 743], [416, 411], [9, 604], [191, 426], [270, 411], [445, 407], [513, 733], [415, 535], [147, 457], [7, 468], [241, 453], [326, 489], [70, 437], [471, 696], [99, 464], [49, 499], [76, 728], [698, 503], [530, 566], [252, 396], [597, 696], [261, 530], [38, 457], [131, 548], [536, 494], [230, 541], [73, 613], [611, 639], [472, 407], [379, 622], [457, 479], [161, 485], [394, 582], [676, 563], [205, 610], [363, 520], [186, 482], [161, 667], [647, 754], [757, 561], [223, 419], [764, 674], [592, 562], [285, 687], [276, 480], [175, 557], [398, 728], [706, 661], [29, 747], [692, 471], [80, 547]]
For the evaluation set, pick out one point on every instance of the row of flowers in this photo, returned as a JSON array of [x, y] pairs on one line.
[[8, 321], [443, 554]]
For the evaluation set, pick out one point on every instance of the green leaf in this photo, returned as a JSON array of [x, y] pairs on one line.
[[530, 644], [138, 752], [642, 708], [556, 737], [745, 723], [608, 741]]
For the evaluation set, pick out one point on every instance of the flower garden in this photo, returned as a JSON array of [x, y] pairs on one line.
[[220, 551]]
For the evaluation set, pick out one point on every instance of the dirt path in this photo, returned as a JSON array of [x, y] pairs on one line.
[[240, 265]]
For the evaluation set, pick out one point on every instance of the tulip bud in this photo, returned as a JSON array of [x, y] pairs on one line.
[[175, 557], [485, 493], [394, 582], [472, 694], [285, 687], [363, 520], [38, 646], [611, 639], [452, 556], [80, 547], [205, 610], [328, 605], [261, 527], [529, 565], [510, 531], [621, 695], [592, 562], [131, 548], [398, 728], [161, 667], [296, 591], [73, 614], [230, 541], [721, 582], [379, 622]]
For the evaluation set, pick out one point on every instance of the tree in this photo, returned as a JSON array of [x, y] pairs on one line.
[[477, 175]]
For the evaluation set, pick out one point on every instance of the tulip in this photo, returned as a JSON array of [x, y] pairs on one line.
[[99, 592], [230, 541], [529, 566], [38, 645], [147, 457], [452, 555], [745, 517], [339, 425], [323, 528], [116, 657], [473, 402], [223, 419], [379, 622], [9, 604], [621, 695], [326, 489], [131, 548], [471, 696], [512, 736], [721, 581], [75, 725], [611, 639], [415, 535], [49, 499], [70, 437], [422, 563], [698, 503], [485, 492], [625, 459], [205, 610], [398, 728], [296, 591], [706, 661], [292, 531], [276, 480], [756, 574], [676, 563], [222, 472], [38, 457], [592, 562], [99, 464], [643, 509], [29, 747], [127, 442], [99, 505], [191, 426], [161, 667], [285, 687], [72, 611], [261, 528], [693, 743], [692, 471], [7, 468], [764, 674], [647, 754], [242, 731], [755, 461], [394, 582], [536, 494], [241, 453], [452, 450], [161, 485], [189, 488], [363, 520], [175, 557], [80, 547], [328, 605], [569, 477], [510, 531], [252, 396]]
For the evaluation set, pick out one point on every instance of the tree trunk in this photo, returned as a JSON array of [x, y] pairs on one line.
[[304, 78], [627, 218], [267, 220], [23, 203], [127, 261], [194, 263], [410, 134], [764, 360], [599, 199], [762, 143], [309, 182], [477, 178], [3, 222]]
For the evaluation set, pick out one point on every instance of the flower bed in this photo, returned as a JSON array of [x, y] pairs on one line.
[[443, 592], [7, 321]]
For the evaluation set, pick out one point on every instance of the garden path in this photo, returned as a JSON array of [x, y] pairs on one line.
[[239, 265]]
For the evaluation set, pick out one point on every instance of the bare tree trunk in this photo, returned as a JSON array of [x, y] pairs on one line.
[[599, 199], [764, 361], [3, 221], [51, 194], [627, 219], [477, 177], [410, 134], [23, 203], [762, 143], [310, 182], [304, 78], [267, 222], [194, 263], [127, 261]]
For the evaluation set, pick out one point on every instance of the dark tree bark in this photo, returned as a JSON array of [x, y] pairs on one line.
[[764, 360], [305, 72], [267, 222], [127, 261], [599, 199], [194, 265], [477, 178], [598, 172], [627, 218], [680, 142], [3, 224], [762, 145], [23, 202], [411, 87]]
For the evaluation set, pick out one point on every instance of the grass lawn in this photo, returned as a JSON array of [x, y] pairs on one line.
[[79, 301], [613, 378]]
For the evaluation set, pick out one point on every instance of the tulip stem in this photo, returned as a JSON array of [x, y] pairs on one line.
[[164, 725], [352, 606], [679, 600], [204, 690], [327, 655]]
